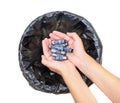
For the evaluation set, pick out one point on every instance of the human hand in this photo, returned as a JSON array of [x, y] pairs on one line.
[[74, 42], [59, 67], [67, 70]]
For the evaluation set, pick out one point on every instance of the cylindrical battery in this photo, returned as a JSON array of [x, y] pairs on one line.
[[58, 42], [67, 49], [57, 51], [58, 47], [54, 54], [60, 57], [64, 44]]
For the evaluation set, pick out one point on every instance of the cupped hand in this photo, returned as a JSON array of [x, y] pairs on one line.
[[59, 67], [74, 42]]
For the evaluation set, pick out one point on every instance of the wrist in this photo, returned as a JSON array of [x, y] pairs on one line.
[[85, 62], [68, 71], [81, 59]]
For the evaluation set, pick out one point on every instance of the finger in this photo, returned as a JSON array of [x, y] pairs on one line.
[[70, 42], [70, 56], [76, 39], [49, 40], [43, 61], [73, 35], [52, 36], [61, 35], [46, 62], [45, 48]]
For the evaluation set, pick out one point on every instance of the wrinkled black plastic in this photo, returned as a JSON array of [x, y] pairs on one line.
[[30, 48]]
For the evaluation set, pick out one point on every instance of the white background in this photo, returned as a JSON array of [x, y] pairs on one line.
[[15, 15]]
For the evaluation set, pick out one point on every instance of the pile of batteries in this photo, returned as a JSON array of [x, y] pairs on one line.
[[59, 48]]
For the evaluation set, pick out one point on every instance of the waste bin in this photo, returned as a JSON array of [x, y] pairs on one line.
[[30, 48]]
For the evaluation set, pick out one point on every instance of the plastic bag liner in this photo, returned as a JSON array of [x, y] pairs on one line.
[[30, 48]]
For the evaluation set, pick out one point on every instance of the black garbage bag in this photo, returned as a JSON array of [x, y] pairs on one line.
[[30, 48]]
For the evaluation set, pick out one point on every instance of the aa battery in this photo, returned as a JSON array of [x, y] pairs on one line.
[[58, 42], [60, 57], [59, 49], [69, 50]]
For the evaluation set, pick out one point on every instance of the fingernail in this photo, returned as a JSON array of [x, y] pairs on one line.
[[50, 34], [54, 31]]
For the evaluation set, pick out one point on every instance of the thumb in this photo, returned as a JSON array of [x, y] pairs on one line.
[[70, 56], [44, 60]]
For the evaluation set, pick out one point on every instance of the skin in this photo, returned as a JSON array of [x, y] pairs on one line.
[[67, 70], [106, 81]]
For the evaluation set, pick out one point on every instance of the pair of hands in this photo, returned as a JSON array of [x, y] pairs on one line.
[[79, 58], [74, 42]]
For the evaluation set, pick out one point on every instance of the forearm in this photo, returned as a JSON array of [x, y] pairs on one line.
[[106, 81], [77, 87]]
